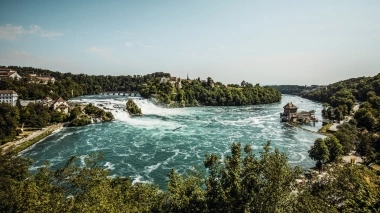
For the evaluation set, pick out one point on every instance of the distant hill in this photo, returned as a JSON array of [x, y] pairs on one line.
[[358, 87], [294, 89]]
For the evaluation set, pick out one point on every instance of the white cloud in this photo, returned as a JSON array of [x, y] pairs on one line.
[[105, 53], [128, 44], [33, 29], [144, 45], [10, 32], [50, 34]]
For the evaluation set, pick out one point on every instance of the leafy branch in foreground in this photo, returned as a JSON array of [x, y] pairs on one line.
[[241, 182]]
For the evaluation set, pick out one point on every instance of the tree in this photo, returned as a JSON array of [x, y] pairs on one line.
[[348, 189], [249, 184], [9, 121], [319, 152], [335, 148]]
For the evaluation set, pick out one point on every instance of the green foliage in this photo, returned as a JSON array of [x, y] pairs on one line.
[[335, 148], [58, 117], [293, 89], [132, 108], [348, 137], [81, 120], [196, 92], [241, 183], [347, 189], [326, 150], [249, 184], [342, 96], [9, 121], [319, 151]]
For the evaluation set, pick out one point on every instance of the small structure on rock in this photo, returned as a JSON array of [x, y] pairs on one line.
[[290, 114]]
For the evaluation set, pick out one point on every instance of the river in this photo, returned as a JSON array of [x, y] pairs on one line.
[[146, 148]]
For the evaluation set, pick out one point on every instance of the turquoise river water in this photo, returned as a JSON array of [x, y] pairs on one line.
[[146, 148]]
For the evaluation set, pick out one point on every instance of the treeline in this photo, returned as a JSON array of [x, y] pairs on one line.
[[37, 115], [208, 93], [192, 93], [361, 132], [68, 85], [34, 115], [242, 182], [294, 89]]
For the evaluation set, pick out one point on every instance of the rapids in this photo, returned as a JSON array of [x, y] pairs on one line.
[[146, 148]]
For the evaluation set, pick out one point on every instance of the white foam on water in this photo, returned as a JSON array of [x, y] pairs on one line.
[[149, 169], [176, 152], [138, 179], [109, 165]]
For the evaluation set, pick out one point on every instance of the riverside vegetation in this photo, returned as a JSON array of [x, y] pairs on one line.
[[242, 182], [132, 108], [360, 134], [69, 85]]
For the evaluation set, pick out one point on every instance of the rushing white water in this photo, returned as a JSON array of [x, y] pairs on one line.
[[146, 148]]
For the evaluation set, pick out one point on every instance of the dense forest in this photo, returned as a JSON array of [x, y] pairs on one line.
[[361, 133], [241, 182], [294, 89], [193, 92], [67, 85], [197, 92]]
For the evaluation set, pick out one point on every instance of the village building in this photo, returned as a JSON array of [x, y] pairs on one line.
[[6, 73], [8, 96], [163, 80], [33, 78], [173, 80], [60, 105], [178, 84], [290, 114]]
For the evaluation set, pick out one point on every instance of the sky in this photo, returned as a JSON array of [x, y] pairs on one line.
[[267, 42]]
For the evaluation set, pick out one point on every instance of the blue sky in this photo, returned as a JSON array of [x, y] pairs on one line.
[[266, 42]]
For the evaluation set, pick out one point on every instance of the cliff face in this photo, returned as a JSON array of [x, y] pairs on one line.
[[132, 108]]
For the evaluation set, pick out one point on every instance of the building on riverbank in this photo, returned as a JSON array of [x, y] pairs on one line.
[[290, 114]]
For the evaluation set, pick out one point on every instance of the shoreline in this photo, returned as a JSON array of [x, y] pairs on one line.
[[24, 143], [308, 130]]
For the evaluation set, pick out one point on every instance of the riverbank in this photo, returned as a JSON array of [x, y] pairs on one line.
[[31, 139], [308, 130]]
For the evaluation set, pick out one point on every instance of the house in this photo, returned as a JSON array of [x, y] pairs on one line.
[[290, 114], [33, 78], [6, 73], [61, 105], [173, 80], [45, 79], [290, 108], [8, 96]]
